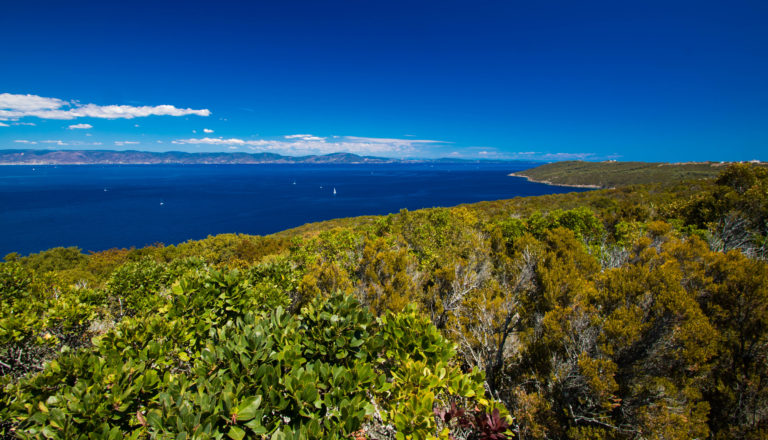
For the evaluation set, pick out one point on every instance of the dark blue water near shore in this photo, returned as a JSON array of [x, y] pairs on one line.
[[100, 207]]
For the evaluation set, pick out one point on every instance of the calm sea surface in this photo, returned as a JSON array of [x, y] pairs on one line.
[[100, 207]]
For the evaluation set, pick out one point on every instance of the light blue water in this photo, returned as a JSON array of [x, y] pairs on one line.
[[100, 207]]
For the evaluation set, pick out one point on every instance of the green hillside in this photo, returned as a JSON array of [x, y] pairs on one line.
[[612, 174], [628, 313]]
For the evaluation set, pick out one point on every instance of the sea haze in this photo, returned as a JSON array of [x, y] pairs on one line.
[[97, 207]]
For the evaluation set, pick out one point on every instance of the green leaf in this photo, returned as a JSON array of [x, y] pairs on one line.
[[256, 426], [248, 408], [48, 432], [236, 433]]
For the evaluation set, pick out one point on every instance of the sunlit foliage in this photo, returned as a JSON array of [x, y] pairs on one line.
[[640, 312]]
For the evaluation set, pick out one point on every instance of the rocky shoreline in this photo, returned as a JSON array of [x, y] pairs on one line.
[[547, 182]]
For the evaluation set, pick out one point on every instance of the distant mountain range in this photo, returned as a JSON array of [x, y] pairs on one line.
[[130, 157]]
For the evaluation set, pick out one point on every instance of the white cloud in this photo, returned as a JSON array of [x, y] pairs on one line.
[[25, 103], [305, 137], [489, 153], [122, 143], [309, 144], [19, 106], [58, 143], [207, 130], [391, 141], [567, 156], [216, 141], [80, 126], [4, 125], [32, 124]]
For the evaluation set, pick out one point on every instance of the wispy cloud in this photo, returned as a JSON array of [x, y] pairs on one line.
[[123, 143], [391, 141], [310, 144], [19, 106], [219, 141], [207, 130], [60, 143], [305, 137], [487, 152], [80, 126], [568, 156], [4, 125], [550, 156]]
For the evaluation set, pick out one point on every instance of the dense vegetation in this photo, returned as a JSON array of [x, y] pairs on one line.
[[612, 174], [639, 312]]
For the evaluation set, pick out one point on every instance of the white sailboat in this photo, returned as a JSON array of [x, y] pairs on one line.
[[334, 190]]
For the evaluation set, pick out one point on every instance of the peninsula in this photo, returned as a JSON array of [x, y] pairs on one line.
[[612, 174]]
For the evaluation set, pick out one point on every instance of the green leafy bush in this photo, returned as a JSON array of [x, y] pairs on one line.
[[617, 314]]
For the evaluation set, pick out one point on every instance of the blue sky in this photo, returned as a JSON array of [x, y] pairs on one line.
[[548, 80]]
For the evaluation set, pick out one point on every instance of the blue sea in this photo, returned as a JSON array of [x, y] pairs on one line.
[[98, 207]]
